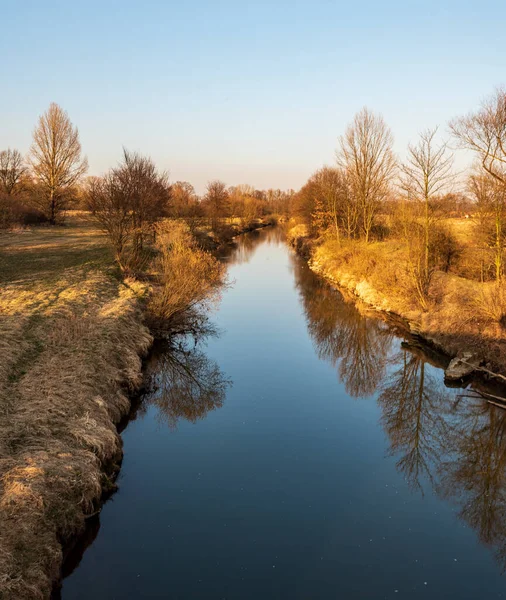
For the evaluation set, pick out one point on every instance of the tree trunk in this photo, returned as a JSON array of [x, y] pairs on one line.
[[498, 243]]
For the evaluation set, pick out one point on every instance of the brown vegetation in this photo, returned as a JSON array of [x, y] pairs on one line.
[[188, 278], [71, 336], [392, 233]]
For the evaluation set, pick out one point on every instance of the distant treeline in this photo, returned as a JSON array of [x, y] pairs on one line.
[[52, 179]]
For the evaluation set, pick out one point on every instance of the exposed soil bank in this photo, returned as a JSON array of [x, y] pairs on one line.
[[478, 349]]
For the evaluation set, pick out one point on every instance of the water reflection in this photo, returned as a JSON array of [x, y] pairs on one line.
[[245, 245], [184, 382], [474, 475], [357, 346], [413, 416], [451, 443]]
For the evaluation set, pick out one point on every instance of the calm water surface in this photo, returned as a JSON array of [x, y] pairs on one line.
[[307, 452]]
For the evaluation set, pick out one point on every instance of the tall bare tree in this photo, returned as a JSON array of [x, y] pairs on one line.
[[12, 171], [365, 152], [56, 160], [484, 132], [425, 174]]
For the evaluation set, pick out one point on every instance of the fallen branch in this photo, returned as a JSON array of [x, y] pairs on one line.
[[484, 370]]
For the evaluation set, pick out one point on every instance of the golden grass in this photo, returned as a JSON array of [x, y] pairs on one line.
[[70, 338], [463, 314]]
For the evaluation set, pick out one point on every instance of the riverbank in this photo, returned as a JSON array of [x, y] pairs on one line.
[[458, 323], [73, 335]]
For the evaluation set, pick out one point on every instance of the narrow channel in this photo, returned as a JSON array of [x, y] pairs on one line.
[[306, 451]]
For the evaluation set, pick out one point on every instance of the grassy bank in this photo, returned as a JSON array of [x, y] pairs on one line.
[[71, 336], [464, 315]]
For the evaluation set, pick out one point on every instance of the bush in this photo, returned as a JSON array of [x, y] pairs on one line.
[[491, 303], [189, 277], [445, 249], [15, 213], [380, 232]]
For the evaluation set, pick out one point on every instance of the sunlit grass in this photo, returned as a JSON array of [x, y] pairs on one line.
[[70, 337]]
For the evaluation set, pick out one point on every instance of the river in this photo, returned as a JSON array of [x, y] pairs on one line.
[[306, 451]]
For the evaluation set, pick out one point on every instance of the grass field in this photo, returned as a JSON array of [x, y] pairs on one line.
[[71, 333]]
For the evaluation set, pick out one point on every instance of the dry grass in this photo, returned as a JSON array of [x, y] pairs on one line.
[[70, 338], [463, 314], [188, 276]]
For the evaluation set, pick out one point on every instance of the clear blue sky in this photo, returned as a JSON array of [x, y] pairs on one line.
[[248, 92]]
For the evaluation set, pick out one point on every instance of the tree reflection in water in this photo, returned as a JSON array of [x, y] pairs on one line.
[[357, 346], [244, 246], [473, 476], [456, 445], [414, 406], [184, 382]]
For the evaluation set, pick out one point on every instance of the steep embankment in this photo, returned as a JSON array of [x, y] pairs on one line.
[[460, 321]]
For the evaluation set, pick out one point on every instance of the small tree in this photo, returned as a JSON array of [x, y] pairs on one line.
[[365, 153], [185, 203], [12, 172], [110, 207], [490, 197], [145, 190], [424, 175], [56, 161], [127, 202], [216, 200], [334, 203]]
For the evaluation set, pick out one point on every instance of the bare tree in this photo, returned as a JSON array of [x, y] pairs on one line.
[[484, 132], [216, 199], [490, 197], [425, 174], [127, 202], [145, 190], [110, 207], [334, 204], [365, 153], [185, 203], [56, 160], [12, 172]]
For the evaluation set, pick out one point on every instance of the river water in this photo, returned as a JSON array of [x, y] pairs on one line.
[[308, 451]]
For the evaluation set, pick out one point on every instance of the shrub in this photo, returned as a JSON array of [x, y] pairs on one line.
[[444, 248], [189, 277], [491, 303], [15, 213]]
